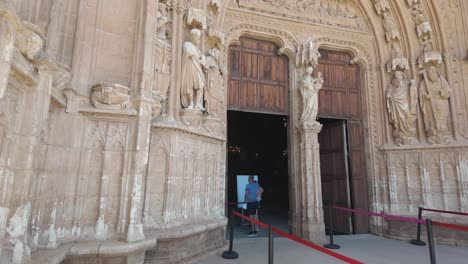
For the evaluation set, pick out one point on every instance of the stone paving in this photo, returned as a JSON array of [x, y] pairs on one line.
[[365, 248]]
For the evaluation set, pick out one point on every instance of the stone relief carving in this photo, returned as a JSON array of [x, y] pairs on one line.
[[332, 12], [309, 88], [163, 30], [402, 103], [307, 54], [214, 96], [391, 28], [197, 18], [434, 93], [163, 55], [381, 6], [110, 96], [193, 73], [30, 41]]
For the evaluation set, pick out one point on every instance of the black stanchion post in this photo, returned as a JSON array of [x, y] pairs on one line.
[[331, 245], [231, 254], [418, 241], [270, 245], [430, 240]]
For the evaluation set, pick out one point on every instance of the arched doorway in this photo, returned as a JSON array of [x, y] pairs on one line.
[[258, 112]]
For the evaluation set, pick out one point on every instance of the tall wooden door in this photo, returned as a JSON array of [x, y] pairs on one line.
[[258, 78], [334, 173], [340, 98]]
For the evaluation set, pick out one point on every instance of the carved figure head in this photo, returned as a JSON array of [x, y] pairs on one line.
[[433, 73], [309, 70], [195, 35], [398, 78]]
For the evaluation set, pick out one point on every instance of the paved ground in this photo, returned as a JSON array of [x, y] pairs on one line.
[[365, 248]]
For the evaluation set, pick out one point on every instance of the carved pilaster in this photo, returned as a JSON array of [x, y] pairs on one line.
[[310, 225], [7, 42]]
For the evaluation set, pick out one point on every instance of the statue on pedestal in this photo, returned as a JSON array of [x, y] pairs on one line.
[[310, 88]]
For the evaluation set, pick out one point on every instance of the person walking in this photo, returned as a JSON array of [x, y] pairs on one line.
[[252, 192]]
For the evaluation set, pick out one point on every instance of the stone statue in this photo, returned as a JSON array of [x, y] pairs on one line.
[[193, 73], [309, 88], [401, 97], [162, 22], [214, 94], [434, 93]]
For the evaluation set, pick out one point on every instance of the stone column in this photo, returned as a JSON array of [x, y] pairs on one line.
[[7, 42], [311, 224]]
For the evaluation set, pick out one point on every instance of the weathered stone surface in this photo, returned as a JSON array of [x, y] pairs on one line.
[[138, 164]]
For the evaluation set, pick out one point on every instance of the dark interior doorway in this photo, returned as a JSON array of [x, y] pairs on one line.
[[335, 173], [258, 145]]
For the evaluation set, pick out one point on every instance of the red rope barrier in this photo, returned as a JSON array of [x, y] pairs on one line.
[[394, 217], [452, 226], [445, 212], [316, 247], [301, 241], [252, 220]]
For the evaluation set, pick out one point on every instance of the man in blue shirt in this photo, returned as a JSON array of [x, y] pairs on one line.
[[252, 192]]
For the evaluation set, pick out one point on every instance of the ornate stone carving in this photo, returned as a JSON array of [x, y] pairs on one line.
[[193, 73], [402, 97], [214, 95], [196, 18], [381, 6], [110, 96], [30, 41], [163, 22], [391, 28], [332, 12], [309, 88], [434, 93], [307, 54]]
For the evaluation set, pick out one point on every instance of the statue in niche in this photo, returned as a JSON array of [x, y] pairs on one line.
[[310, 88], [391, 28], [402, 99], [193, 73], [214, 94], [434, 94]]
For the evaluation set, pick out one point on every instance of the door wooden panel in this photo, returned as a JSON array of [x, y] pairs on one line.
[[334, 174], [259, 77], [358, 179], [340, 98]]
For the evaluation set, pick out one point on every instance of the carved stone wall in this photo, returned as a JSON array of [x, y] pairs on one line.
[[185, 179], [97, 145]]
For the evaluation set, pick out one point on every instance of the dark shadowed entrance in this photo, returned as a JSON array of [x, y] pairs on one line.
[[258, 124]]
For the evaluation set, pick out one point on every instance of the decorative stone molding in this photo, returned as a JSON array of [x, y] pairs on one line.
[[110, 96]]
